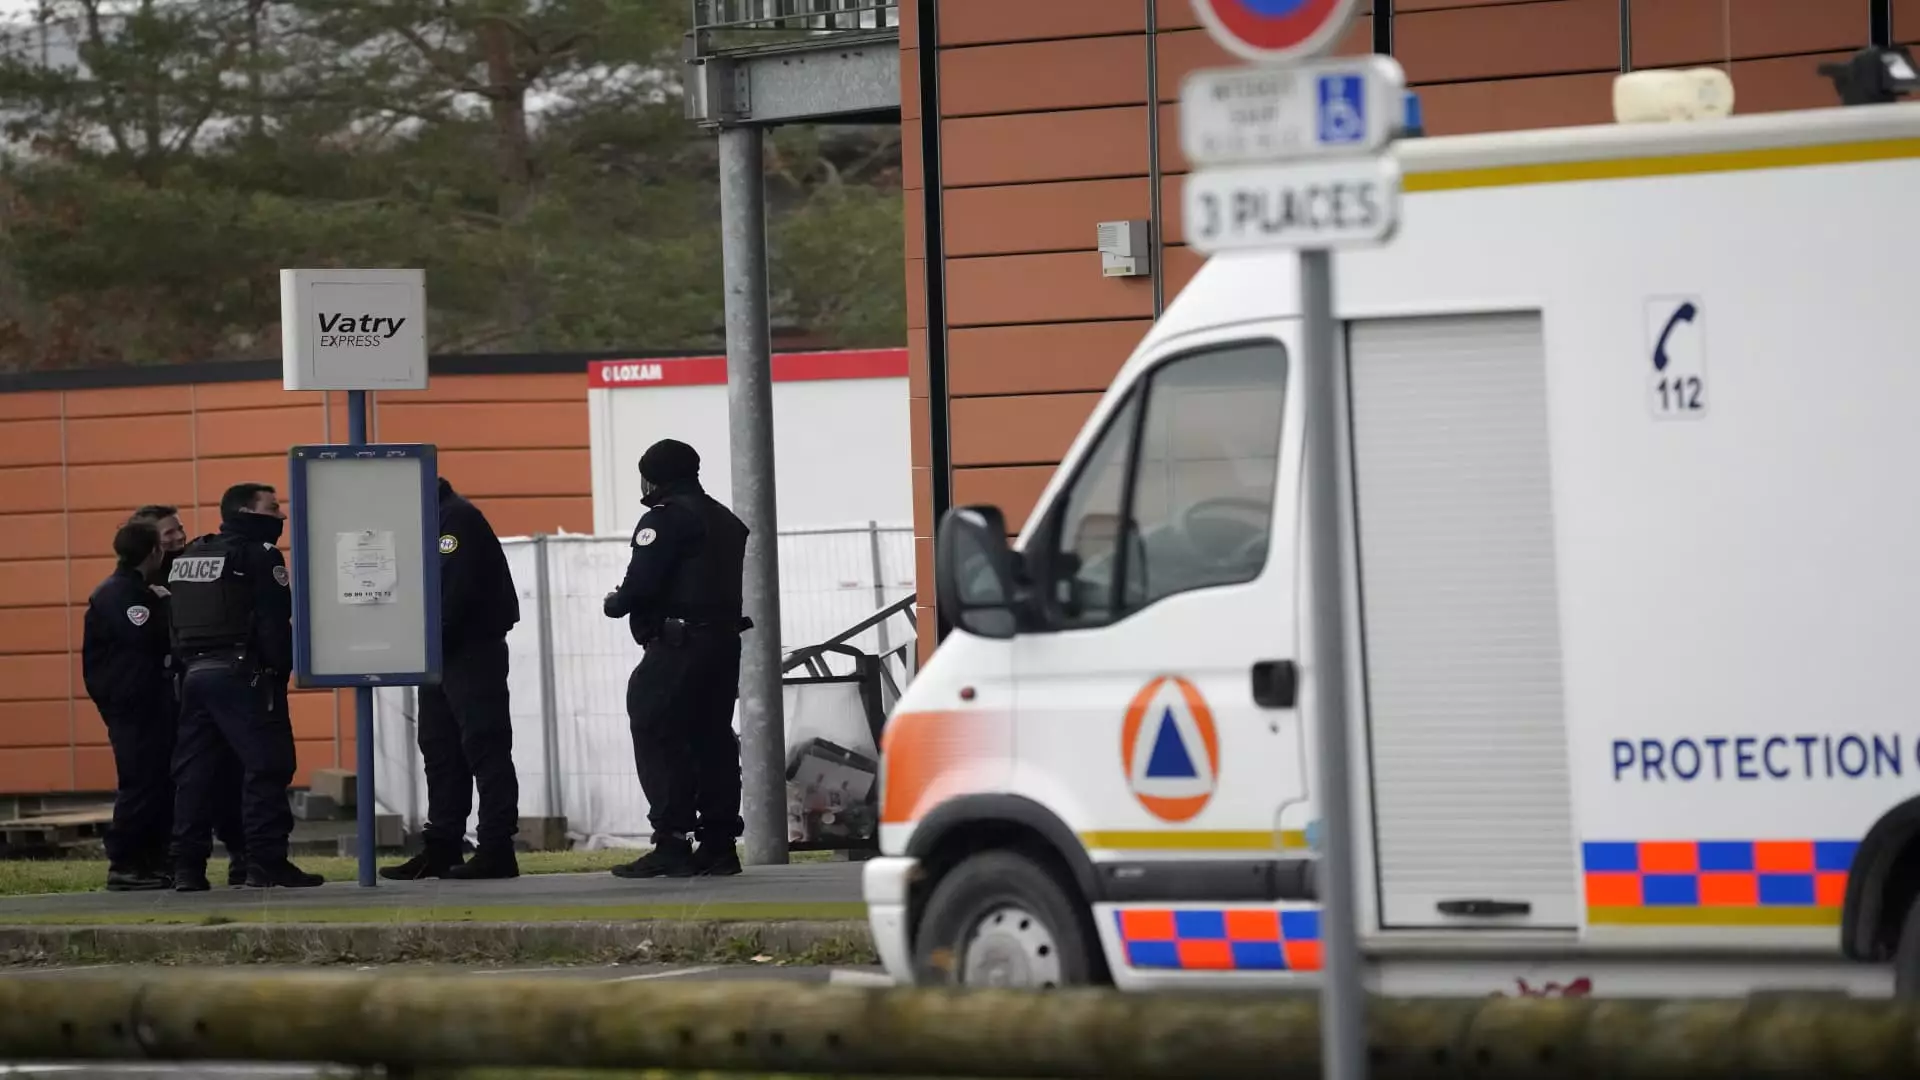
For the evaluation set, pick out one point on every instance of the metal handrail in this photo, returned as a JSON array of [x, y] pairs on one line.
[[810, 16]]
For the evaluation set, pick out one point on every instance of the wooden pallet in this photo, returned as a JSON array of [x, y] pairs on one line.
[[44, 832]]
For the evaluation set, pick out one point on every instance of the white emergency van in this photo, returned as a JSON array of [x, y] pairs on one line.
[[1631, 538]]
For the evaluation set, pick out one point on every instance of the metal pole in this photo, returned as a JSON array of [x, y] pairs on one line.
[[743, 249], [879, 590], [1342, 999], [362, 695], [549, 694]]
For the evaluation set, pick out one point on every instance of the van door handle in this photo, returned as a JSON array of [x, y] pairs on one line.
[[1276, 684], [1483, 907]]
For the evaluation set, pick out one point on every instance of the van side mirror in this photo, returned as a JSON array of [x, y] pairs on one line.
[[973, 572]]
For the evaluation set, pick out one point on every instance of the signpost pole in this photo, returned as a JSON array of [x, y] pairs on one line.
[[1293, 153], [362, 696], [1343, 1001]]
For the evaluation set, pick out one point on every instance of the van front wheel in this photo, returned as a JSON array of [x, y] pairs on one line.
[[1002, 919]]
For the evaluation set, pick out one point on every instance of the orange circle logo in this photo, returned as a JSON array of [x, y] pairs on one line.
[[1170, 749]]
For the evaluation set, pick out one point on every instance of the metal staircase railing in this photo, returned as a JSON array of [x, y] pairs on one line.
[[722, 27]]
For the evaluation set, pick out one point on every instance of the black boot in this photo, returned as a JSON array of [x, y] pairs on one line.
[[134, 879], [236, 872], [666, 860], [436, 860], [716, 859], [279, 874], [492, 862], [191, 879]]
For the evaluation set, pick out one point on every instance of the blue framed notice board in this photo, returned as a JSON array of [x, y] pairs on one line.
[[366, 564]]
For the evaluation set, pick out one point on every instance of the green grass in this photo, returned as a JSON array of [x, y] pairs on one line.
[[418, 913], [34, 877]]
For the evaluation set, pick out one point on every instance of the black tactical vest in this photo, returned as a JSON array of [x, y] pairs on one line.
[[212, 603], [706, 589]]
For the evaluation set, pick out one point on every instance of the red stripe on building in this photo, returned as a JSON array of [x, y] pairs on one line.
[[712, 370]]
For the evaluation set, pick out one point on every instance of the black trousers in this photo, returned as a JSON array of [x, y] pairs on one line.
[[680, 707], [466, 740], [142, 741], [224, 711]]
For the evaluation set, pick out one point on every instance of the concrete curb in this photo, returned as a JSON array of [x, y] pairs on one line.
[[640, 941]]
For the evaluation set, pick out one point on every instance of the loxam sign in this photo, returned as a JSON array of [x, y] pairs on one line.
[[353, 329]]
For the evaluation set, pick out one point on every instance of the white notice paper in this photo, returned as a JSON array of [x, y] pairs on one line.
[[366, 562]]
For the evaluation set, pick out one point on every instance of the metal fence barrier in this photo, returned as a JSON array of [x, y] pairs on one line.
[[411, 1022], [568, 668]]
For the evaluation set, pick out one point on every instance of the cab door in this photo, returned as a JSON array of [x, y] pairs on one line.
[[1156, 694]]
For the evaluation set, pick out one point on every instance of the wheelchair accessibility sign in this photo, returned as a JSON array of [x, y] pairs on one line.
[[1343, 108]]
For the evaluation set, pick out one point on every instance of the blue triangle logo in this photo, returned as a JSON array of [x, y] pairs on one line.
[[1169, 760]]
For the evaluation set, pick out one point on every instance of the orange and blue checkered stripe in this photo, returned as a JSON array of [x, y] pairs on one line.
[[1702, 882], [1231, 939]]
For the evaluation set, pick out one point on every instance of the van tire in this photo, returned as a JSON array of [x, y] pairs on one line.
[[1016, 907], [1906, 955]]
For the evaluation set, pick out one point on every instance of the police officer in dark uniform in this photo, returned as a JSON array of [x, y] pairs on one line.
[[127, 667], [466, 725], [226, 817], [681, 597], [233, 630]]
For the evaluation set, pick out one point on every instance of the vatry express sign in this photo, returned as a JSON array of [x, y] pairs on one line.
[[353, 329]]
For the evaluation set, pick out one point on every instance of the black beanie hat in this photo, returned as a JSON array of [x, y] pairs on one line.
[[670, 460]]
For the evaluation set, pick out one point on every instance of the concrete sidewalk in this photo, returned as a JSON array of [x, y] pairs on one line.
[[809, 912]]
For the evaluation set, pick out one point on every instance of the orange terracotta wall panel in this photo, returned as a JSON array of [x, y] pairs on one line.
[[1084, 144], [1039, 359], [123, 487], [1031, 218], [1517, 104], [129, 401], [1906, 21], [478, 473], [33, 405], [30, 442], [32, 536], [118, 439], [27, 772], [34, 723], [1782, 83], [1032, 429], [1078, 73], [260, 429], [488, 426], [33, 677], [1013, 490], [1488, 41], [1670, 33], [1039, 289], [25, 490], [33, 583], [976, 22], [33, 629]]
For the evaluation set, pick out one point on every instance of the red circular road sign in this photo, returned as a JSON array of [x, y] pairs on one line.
[[1276, 31]]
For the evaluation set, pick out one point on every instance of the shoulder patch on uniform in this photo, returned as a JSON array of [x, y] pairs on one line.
[[138, 615], [280, 576], [266, 545], [644, 537], [449, 543]]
